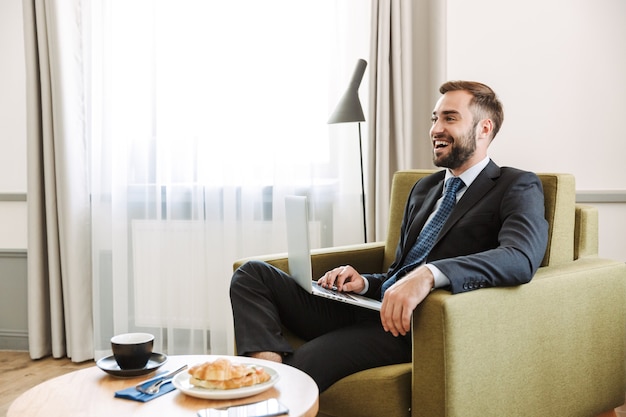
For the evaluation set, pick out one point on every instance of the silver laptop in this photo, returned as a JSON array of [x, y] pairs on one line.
[[299, 254]]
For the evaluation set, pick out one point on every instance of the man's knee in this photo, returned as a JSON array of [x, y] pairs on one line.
[[252, 274], [251, 269]]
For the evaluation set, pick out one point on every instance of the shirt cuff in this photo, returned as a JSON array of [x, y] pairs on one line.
[[441, 280]]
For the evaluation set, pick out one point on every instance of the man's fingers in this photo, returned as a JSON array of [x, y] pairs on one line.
[[333, 278], [406, 321], [340, 276], [391, 317]]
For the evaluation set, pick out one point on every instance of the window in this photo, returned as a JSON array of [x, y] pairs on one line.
[[206, 114]]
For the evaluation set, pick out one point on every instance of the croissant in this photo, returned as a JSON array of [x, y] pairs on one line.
[[222, 374]]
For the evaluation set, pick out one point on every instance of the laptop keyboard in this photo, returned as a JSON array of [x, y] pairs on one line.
[[333, 293]]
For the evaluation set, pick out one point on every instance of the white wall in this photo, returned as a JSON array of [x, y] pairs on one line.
[[12, 127], [560, 69]]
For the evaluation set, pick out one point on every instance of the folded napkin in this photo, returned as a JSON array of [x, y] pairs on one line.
[[132, 393]]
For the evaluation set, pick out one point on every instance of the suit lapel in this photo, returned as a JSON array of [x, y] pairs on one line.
[[419, 220], [484, 182]]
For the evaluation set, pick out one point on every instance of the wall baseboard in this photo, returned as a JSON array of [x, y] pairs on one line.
[[13, 340], [13, 299]]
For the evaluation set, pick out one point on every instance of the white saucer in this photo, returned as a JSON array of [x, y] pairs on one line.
[[110, 366]]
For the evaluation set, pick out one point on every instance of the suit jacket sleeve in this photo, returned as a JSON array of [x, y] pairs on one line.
[[521, 237], [496, 235]]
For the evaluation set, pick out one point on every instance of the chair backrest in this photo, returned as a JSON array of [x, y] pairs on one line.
[[401, 186], [559, 194]]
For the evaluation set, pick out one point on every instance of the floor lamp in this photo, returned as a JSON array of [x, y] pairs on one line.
[[349, 110]]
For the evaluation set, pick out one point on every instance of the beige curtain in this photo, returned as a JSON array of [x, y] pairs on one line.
[[407, 66], [59, 256]]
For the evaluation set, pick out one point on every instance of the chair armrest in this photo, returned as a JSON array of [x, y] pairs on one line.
[[365, 258], [586, 231], [554, 346]]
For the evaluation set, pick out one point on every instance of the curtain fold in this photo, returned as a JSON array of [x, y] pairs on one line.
[[59, 288], [407, 52]]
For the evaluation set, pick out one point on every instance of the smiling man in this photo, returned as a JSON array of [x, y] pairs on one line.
[[469, 226]]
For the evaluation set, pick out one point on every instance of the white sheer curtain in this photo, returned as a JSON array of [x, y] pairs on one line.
[[205, 115]]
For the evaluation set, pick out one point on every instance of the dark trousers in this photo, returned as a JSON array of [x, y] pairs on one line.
[[340, 339]]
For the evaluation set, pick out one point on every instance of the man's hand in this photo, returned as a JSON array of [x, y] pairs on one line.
[[401, 299], [345, 278]]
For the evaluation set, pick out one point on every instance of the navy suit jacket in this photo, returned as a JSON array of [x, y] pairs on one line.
[[495, 236]]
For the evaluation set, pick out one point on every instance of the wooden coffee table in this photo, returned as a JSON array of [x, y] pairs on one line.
[[90, 392]]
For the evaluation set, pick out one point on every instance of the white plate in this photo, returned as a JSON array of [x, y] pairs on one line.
[[181, 381]]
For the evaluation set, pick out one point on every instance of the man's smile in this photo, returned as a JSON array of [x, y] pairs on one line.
[[440, 144]]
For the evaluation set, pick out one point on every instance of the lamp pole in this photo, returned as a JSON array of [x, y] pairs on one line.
[[362, 186], [349, 110]]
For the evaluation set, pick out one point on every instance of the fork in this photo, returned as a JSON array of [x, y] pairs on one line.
[[154, 388]]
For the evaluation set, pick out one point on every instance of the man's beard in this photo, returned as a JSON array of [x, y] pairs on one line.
[[462, 151]]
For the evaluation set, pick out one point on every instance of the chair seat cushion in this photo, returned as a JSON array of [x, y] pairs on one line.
[[384, 391]]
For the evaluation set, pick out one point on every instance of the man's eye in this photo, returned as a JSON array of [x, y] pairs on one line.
[[433, 120]]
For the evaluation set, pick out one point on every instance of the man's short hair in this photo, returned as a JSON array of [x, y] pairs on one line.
[[484, 103]]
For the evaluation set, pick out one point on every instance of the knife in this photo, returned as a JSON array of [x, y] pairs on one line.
[[266, 408]]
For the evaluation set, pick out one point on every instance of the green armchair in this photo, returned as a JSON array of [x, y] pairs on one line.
[[555, 346]]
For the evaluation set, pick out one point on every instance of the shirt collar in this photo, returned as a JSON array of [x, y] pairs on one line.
[[469, 175]]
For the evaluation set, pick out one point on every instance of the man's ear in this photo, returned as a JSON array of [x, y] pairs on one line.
[[485, 128]]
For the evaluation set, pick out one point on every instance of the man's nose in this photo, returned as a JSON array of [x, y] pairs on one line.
[[436, 129]]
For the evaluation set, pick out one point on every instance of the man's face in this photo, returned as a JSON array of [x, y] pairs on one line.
[[453, 132]]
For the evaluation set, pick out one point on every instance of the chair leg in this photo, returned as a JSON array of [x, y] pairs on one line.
[[608, 414]]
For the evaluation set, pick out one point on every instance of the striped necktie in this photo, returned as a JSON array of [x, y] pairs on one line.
[[428, 235]]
